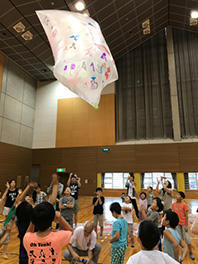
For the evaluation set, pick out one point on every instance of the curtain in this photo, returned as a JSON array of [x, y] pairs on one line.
[[186, 60], [143, 107], [186, 181], [174, 175]]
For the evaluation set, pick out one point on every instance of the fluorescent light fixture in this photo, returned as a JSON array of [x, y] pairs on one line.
[[80, 5], [194, 14]]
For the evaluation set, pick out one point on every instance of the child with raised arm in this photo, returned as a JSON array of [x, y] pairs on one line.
[[45, 246], [119, 235], [173, 245], [181, 209], [127, 212]]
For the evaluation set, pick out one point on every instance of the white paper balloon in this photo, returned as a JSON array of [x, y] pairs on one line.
[[83, 61]]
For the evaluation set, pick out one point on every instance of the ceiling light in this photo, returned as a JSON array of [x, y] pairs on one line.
[[27, 35], [147, 31], [146, 23], [80, 5], [19, 27], [194, 14]]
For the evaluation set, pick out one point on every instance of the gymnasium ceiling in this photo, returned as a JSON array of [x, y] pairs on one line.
[[120, 21]]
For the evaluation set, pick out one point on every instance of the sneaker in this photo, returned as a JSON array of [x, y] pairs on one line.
[[5, 256], [192, 256], [132, 245]]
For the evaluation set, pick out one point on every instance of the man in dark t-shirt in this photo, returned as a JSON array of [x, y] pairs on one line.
[[74, 184], [98, 202]]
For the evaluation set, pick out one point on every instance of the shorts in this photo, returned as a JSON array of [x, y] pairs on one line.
[[184, 235], [76, 207], [98, 218], [6, 210], [130, 230], [2, 231]]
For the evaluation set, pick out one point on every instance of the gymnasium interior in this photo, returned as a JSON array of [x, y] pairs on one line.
[[146, 122]]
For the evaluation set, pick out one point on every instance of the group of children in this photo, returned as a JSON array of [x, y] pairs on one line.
[[34, 213]]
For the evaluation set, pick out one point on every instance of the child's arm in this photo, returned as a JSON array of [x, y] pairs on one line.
[[116, 237], [195, 226], [157, 187], [3, 198], [69, 180], [54, 189], [176, 247], [70, 205], [144, 215], [186, 219], [78, 182], [126, 209], [22, 196]]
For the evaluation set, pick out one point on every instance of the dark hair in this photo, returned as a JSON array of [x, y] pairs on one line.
[[169, 186], [98, 189], [115, 207], [144, 194], [159, 204], [24, 212], [73, 176], [11, 181], [172, 217], [38, 185], [149, 234], [151, 187], [132, 175], [42, 216], [182, 194]]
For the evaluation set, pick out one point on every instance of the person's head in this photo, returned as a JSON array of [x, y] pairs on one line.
[[157, 205], [127, 199], [115, 209], [74, 178], [131, 176], [38, 189], [29, 199], [98, 191], [142, 195], [150, 189], [67, 191], [12, 184], [42, 216], [170, 219], [148, 235], [88, 228], [180, 196], [24, 212], [168, 184]]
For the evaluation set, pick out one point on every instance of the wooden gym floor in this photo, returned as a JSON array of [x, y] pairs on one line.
[[85, 213]]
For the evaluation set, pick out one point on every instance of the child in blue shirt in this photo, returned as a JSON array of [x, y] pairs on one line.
[[173, 245], [119, 235]]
